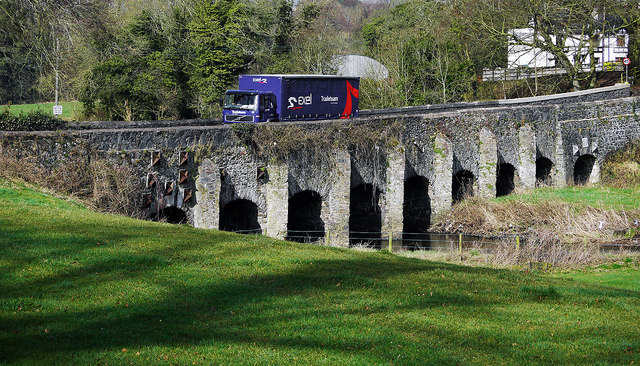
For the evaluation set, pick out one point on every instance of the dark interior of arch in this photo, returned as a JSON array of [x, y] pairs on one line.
[[304, 223], [504, 180], [416, 213], [365, 218], [462, 185], [240, 216], [172, 215], [543, 171], [582, 169]]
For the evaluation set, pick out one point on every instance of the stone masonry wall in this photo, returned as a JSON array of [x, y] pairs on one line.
[[200, 168]]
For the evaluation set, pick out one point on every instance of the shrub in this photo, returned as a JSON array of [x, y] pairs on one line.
[[36, 120], [622, 168], [105, 185]]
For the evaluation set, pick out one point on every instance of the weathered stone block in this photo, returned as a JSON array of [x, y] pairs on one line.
[[394, 194], [440, 185], [558, 173], [527, 156], [206, 213], [487, 164], [277, 198], [337, 225]]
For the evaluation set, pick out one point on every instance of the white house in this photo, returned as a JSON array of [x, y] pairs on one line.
[[613, 48]]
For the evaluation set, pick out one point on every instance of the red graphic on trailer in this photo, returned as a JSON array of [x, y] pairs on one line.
[[351, 92]]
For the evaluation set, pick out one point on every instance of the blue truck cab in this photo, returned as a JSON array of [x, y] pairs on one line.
[[265, 98], [249, 106]]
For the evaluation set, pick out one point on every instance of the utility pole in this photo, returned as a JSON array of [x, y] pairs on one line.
[[57, 110], [57, 66]]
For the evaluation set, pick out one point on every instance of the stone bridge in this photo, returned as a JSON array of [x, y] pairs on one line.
[[348, 182]]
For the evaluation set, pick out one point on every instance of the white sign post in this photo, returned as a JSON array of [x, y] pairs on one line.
[[57, 110], [626, 61]]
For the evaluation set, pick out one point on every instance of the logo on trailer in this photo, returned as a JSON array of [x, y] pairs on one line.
[[298, 102], [329, 99], [260, 80]]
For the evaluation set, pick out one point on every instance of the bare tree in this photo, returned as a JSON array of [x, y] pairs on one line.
[[569, 30]]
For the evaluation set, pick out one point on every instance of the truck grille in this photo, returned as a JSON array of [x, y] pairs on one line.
[[234, 118]]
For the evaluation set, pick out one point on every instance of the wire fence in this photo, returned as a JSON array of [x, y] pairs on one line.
[[414, 241], [248, 231], [522, 73]]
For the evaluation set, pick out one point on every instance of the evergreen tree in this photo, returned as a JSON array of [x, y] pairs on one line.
[[218, 42]]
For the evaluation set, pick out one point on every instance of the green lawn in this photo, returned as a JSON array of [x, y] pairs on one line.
[[602, 197], [70, 110], [625, 275], [78, 287]]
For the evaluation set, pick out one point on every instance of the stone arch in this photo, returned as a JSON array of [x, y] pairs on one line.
[[241, 216], [505, 179], [462, 185], [365, 216], [543, 171], [583, 168], [416, 212], [304, 222]]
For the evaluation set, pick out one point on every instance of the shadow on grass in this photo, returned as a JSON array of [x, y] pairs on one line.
[[230, 289]]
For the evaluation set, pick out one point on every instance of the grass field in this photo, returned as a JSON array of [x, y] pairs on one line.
[[78, 287], [615, 275], [70, 110], [599, 197]]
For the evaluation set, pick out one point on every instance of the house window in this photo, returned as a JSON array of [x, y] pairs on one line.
[[621, 41]]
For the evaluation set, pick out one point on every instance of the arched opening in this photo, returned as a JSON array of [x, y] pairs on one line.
[[240, 216], [304, 223], [543, 172], [171, 215], [583, 168], [416, 213], [462, 185], [365, 217], [504, 180]]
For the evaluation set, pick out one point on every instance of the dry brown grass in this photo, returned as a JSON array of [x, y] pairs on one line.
[[549, 219], [101, 184], [558, 234], [115, 189], [535, 255]]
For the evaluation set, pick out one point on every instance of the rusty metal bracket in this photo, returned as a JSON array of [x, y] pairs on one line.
[[169, 187], [184, 157], [183, 176], [188, 193], [152, 180], [156, 156]]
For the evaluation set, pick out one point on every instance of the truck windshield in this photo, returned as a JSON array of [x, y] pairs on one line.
[[240, 101]]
